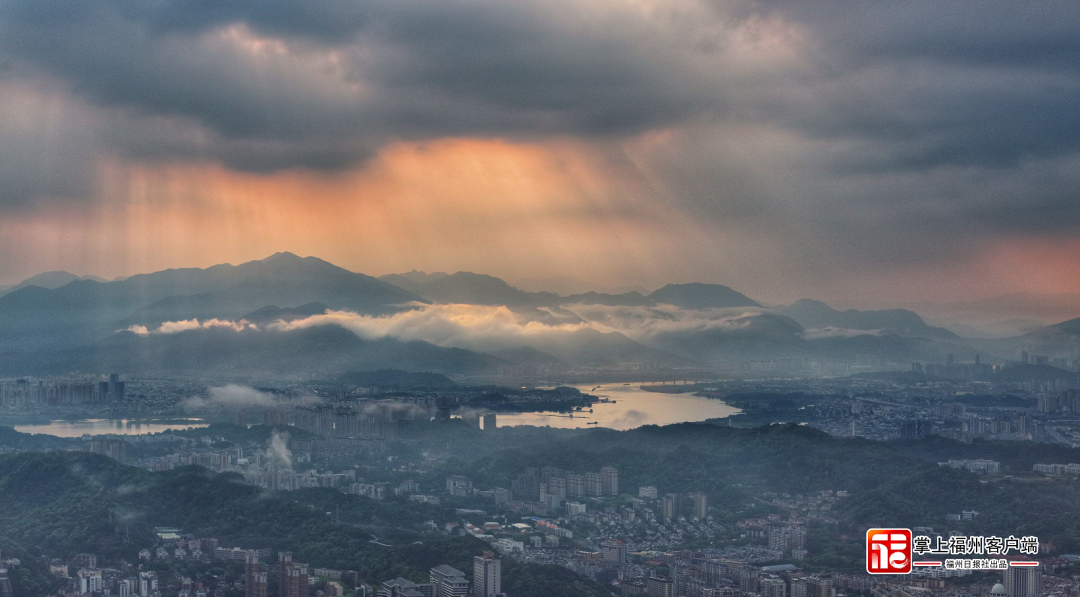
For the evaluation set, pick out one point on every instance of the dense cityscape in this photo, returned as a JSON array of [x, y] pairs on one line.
[[375, 443]]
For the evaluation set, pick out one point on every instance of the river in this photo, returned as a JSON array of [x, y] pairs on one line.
[[79, 428], [632, 407]]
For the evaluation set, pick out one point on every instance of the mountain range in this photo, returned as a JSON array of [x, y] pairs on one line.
[[48, 280], [220, 320], [901, 322]]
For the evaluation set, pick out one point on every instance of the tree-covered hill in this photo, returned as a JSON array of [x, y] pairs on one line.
[[58, 504]]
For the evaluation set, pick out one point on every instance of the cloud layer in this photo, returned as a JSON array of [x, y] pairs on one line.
[[496, 328], [233, 396], [784, 141]]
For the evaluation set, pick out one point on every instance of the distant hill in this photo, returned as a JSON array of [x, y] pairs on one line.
[[273, 313], [592, 348], [48, 280], [1007, 328], [480, 289], [321, 351], [769, 335], [289, 281], [569, 285], [901, 322], [1071, 326], [1018, 305], [74, 327], [1057, 340], [701, 296], [412, 281], [84, 311], [758, 336], [629, 299], [420, 277], [470, 289], [395, 379]]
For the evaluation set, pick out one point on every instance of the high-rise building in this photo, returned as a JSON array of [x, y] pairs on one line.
[[660, 587], [448, 581], [557, 487], [1023, 581], [489, 422], [116, 388], [148, 583], [5, 582], [609, 479], [916, 428], [594, 484], [254, 576], [819, 587], [779, 537], [258, 583], [700, 507], [487, 575], [575, 485], [772, 587], [89, 581], [614, 552], [648, 491], [526, 487], [292, 576], [459, 485], [113, 448], [748, 580], [671, 506], [798, 537]]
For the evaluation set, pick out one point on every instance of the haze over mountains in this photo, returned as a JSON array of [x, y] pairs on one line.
[[292, 316], [48, 280]]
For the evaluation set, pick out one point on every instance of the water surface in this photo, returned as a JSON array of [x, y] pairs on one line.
[[81, 427], [632, 407]]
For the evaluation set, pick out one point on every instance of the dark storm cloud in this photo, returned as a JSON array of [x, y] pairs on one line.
[[945, 83], [911, 119], [959, 83], [991, 32], [404, 70]]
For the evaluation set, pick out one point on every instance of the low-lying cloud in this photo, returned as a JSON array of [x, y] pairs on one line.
[[174, 327], [233, 396], [278, 454], [493, 328], [475, 327]]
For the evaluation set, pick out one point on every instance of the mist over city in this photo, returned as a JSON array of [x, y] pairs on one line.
[[694, 298]]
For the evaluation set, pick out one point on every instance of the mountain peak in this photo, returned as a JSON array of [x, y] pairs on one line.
[[696, 295], [50, 281], [284, 256]]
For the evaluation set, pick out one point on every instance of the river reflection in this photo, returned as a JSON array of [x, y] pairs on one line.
[[79, 428], [632, 407]]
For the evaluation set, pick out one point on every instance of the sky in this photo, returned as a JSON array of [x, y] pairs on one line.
[[865, 153]]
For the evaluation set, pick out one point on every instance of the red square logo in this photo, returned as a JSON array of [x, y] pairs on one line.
[[888, 551]]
